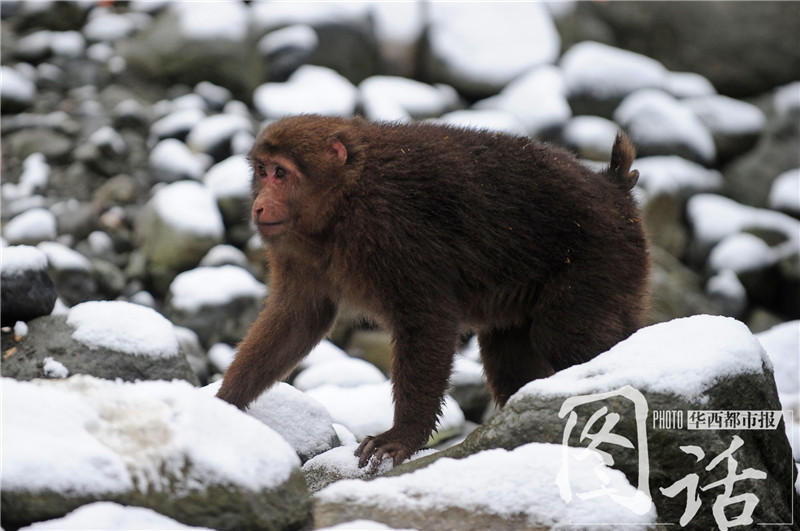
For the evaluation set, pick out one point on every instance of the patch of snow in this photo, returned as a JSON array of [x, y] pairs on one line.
[[230, 178], [176, 123], [214, 95], [489, 120], [107, 136], [16, 259], [123, 327], [688, 85], [673, 175], [782, 343], [346, 437], [472, 350], [466, 372], [741, 252], [654, 117], [67, 43], [722, 114], [34, 225], [361, 525], [224, 255], [481, 43], [213, 286], [397, 24], [300, 36], [34, 45], [266, 15], [324, 352], [727, 286], [189, 206], [100, 52], [59, 308], [63, 258], [221, 356], [116, 436], [785, 192], [714, 217], [210, 131], [111, 516], [100, 242], [417, 99], [685, 357], [481, 484], [309, 90], [537, 98], [208, 21], [591, 135], [242, 142], [348, 372], [344, 463], [104, 25], [143, 298], [171, 159], [54, 369], [20, 329], [605, 72], [787, 99]]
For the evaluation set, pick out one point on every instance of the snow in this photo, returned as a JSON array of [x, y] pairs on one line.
[[36, 224], [685, 357], [324, 352], [347, 372], [688, 85], [210, 21], [278, 14], [103, 25], [417, 99], [782, 343], [230, 178], [114, 436], [143, 298], [481, 483], [592, 135], [107, 136], [224, 255], [67, 43], [346, 437], [342, 462], [20, 330], [486, 45], [787, 99], [397, 24], [54, 369], [490, 120], [212, 94], [100, 52], [309, 90], [123, 327], [172, 159], [726, 284], [100, 242], [62, 258], [722, 114], [15, 86], [605, 72], [537, 99], [17, 259], [281, 406], [654, 117], [298, 36], [110, 517], [175, 123], [221, 356], [714, 217], [673, 175], [359, 525], [190, 207], [367, 409], [213, 130], [785, 192], [34, 45], [213, 286], [466, 372], [741, 252]]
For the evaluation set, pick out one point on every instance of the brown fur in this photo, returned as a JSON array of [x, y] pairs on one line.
[[431, 229]]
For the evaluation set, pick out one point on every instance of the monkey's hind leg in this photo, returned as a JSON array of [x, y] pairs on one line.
[[509, 362]]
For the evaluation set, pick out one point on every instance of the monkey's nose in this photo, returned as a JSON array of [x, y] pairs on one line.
[[257, 213]]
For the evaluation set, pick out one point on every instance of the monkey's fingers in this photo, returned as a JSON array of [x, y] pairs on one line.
[[365, 451]]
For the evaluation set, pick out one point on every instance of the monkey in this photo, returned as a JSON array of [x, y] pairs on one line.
[[431, 230]]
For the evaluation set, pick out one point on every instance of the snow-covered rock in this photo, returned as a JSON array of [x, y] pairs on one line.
[[214, 96], [128, 441], [735, 125], [220, 356], [479, 49], [176, 124], [34, 178], [741, 252], [782, 343], [302, 421], [210, 21], [725, 289], [688, 85], [172, 160], [224, 255], [324, 352], [591, 137], [31, 227], [347, 372], [230, 183], [381, 96], [441, 495], [213, 134], [104, 25], [111, 516], [786, 99], [71, 272], [27, 289], [537, 98], [491, 120], [310, 90], [785, 192], [676, 176], [218, 303], [658, 124], [16, 91], [297, 36]]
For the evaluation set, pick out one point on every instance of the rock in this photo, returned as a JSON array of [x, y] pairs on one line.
[[701, 364], [500, 121], [302, 421], [176, 124], [744, 38], [215, 96], [310, 90], [34, 178], [537, 98], [27, 290], [109, 278], [220, 356], [218, 303], [324, 352], [146, 444], [130, 114], [287, 49], [17, 92], [107, 339], [782, 342], [55, 146], [213, 134], [111, 516], [230, 184], [727, 292], [683, 85], [784, 194], [176, 229], [471, 493], [105, 152], [391, 98], [31, 227], [190, 346], [598, 77], [224, 255], [479, 49], [590, 137], [71, 273], [468, 388], [105, 25], [735, 125], [658, 124], [171, 160], [345, 372]]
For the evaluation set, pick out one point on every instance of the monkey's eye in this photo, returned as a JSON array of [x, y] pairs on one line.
[[280, 173], [261, 171]]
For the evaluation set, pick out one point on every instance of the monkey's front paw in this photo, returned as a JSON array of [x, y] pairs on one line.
[[380, 446]]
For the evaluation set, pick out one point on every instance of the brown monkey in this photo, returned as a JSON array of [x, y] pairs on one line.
[[431, 229]]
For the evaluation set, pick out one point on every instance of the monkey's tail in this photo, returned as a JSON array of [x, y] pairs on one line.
[[622, 156]]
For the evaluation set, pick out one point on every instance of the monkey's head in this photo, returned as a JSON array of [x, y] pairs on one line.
[[301, 165]]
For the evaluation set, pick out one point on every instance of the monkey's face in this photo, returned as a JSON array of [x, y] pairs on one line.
[[276, 181]]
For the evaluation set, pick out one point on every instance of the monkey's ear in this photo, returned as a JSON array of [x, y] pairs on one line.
[[339, 150]]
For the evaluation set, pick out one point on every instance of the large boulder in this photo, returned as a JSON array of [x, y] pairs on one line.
[[27, 290], [162, 445]]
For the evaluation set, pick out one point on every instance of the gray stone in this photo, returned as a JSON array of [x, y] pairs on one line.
[[27, 292]]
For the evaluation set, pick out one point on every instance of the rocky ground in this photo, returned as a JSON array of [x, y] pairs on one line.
[[128, 257]]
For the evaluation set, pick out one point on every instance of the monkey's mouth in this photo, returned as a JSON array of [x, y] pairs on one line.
[[271, 228]]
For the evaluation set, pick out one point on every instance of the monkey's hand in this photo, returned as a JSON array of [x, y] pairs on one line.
[[392, 443]]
